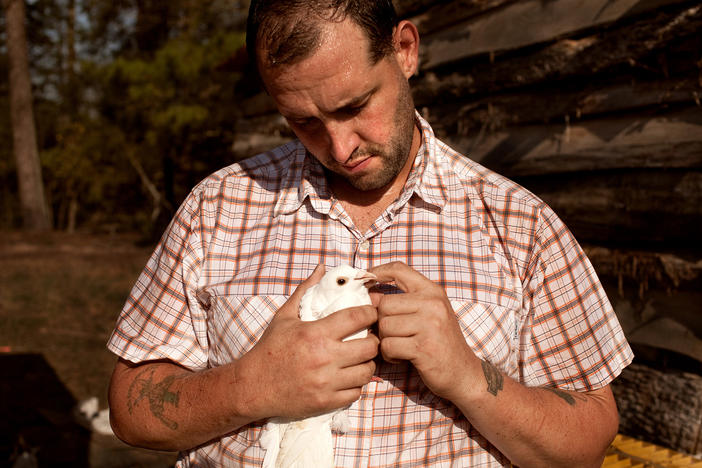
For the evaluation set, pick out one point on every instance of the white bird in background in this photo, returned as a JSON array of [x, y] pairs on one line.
[[90, 415], [308, 443]]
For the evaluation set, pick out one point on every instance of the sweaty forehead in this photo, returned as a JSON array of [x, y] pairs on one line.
[[339, 46], [287, 40], [337, 73]]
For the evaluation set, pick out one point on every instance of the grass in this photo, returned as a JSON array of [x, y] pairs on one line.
[[60, 296]]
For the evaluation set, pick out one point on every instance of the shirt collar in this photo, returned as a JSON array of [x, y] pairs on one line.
[[305, 178], [428, 176]]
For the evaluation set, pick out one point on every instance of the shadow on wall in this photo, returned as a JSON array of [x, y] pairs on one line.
[[36, 416]]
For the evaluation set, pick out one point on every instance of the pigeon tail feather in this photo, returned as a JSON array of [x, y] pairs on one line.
[[307, 443]]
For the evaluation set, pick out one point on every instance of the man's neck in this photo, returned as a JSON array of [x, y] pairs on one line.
[[364, 206]]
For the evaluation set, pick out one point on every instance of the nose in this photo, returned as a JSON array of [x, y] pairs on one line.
[[342, 140]]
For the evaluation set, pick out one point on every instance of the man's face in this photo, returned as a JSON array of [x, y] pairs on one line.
[[356, 118]]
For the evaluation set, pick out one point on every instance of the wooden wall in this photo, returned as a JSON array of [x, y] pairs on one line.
[[595, 105]]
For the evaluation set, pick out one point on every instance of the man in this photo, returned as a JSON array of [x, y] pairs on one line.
[[497, 349]]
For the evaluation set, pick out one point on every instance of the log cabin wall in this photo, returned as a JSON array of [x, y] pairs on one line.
[[595, 106]]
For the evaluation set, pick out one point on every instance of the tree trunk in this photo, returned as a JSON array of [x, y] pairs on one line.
[[31, 189], [69, 78]]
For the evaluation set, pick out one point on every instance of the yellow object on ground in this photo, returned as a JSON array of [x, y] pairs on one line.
[[626, 452]]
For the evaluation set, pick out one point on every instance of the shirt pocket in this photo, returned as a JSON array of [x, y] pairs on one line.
[[492, 332], [236, 323]]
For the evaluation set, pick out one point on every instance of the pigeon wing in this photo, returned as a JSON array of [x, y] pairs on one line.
[[312, 304]]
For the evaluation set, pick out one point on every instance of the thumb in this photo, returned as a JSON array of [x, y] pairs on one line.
[[375, 296], [292, 305]]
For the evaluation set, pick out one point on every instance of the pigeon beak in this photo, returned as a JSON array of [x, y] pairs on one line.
[[368, 279]]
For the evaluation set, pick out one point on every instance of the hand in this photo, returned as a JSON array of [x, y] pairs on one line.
[[304, 368], [420, 326]]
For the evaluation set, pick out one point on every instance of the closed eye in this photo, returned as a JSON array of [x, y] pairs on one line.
[[356, 106], [351, 111], [302, 122]]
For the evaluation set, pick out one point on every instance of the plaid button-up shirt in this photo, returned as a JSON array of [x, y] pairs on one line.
[[525, 295]]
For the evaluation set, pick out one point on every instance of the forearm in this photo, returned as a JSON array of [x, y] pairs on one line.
[[162, 406], [537, 427]]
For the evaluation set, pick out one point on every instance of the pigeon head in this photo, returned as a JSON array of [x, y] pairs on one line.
[[340, 287], [347, 278]]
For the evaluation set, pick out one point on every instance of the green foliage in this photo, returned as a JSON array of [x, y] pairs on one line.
[[125, 132], [174, 108], [87, 166], [171, 92]]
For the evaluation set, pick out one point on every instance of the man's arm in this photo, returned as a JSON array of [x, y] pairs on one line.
[[531, 426], [538, 427], [297, 369], [162, 406]]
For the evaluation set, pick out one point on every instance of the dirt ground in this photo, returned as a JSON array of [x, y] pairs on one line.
[[59, 298]]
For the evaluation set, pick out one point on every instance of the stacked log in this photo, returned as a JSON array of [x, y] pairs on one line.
[[661, 405], [595, 106]]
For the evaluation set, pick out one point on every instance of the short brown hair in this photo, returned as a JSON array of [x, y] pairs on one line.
[[289, 30]]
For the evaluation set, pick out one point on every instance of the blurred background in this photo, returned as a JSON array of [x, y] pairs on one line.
[[111, 111]]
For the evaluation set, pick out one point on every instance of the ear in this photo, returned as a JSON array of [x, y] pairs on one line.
[[406, 39]]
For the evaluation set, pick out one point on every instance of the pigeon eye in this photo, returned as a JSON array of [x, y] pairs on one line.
[[341, 281]]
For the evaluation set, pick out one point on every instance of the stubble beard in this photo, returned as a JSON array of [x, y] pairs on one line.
[[392, 156]]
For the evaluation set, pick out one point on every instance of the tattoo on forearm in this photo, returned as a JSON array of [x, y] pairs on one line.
[[156, 393], [569, 398], [493, 377]]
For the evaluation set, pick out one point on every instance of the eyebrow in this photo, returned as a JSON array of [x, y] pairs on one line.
[[353, 102], [357, 101]]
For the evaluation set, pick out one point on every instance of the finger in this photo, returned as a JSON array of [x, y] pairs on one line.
[[395, 349], [398, 326], [358, 351], [346, 322], [375, 297], [354, 376], [405, 277], [344, 398], [347, 385], [402, 304], [292, 305]]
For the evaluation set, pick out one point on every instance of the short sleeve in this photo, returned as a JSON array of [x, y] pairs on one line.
[[571, 337], [162, 318]]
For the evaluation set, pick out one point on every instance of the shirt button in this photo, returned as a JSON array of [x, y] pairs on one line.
[[364, 245]]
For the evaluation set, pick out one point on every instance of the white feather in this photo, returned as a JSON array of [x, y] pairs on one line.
[[88, 408], [101, 422], [89, 414], [308, 443]]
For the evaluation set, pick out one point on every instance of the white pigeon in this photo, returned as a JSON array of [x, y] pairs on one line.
[[308, 442], [89, 414]]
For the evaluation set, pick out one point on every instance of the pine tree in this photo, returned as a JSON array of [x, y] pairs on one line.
[[34, 209]]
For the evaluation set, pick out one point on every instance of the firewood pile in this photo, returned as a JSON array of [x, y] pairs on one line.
[[662, 406], [595, 106]]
